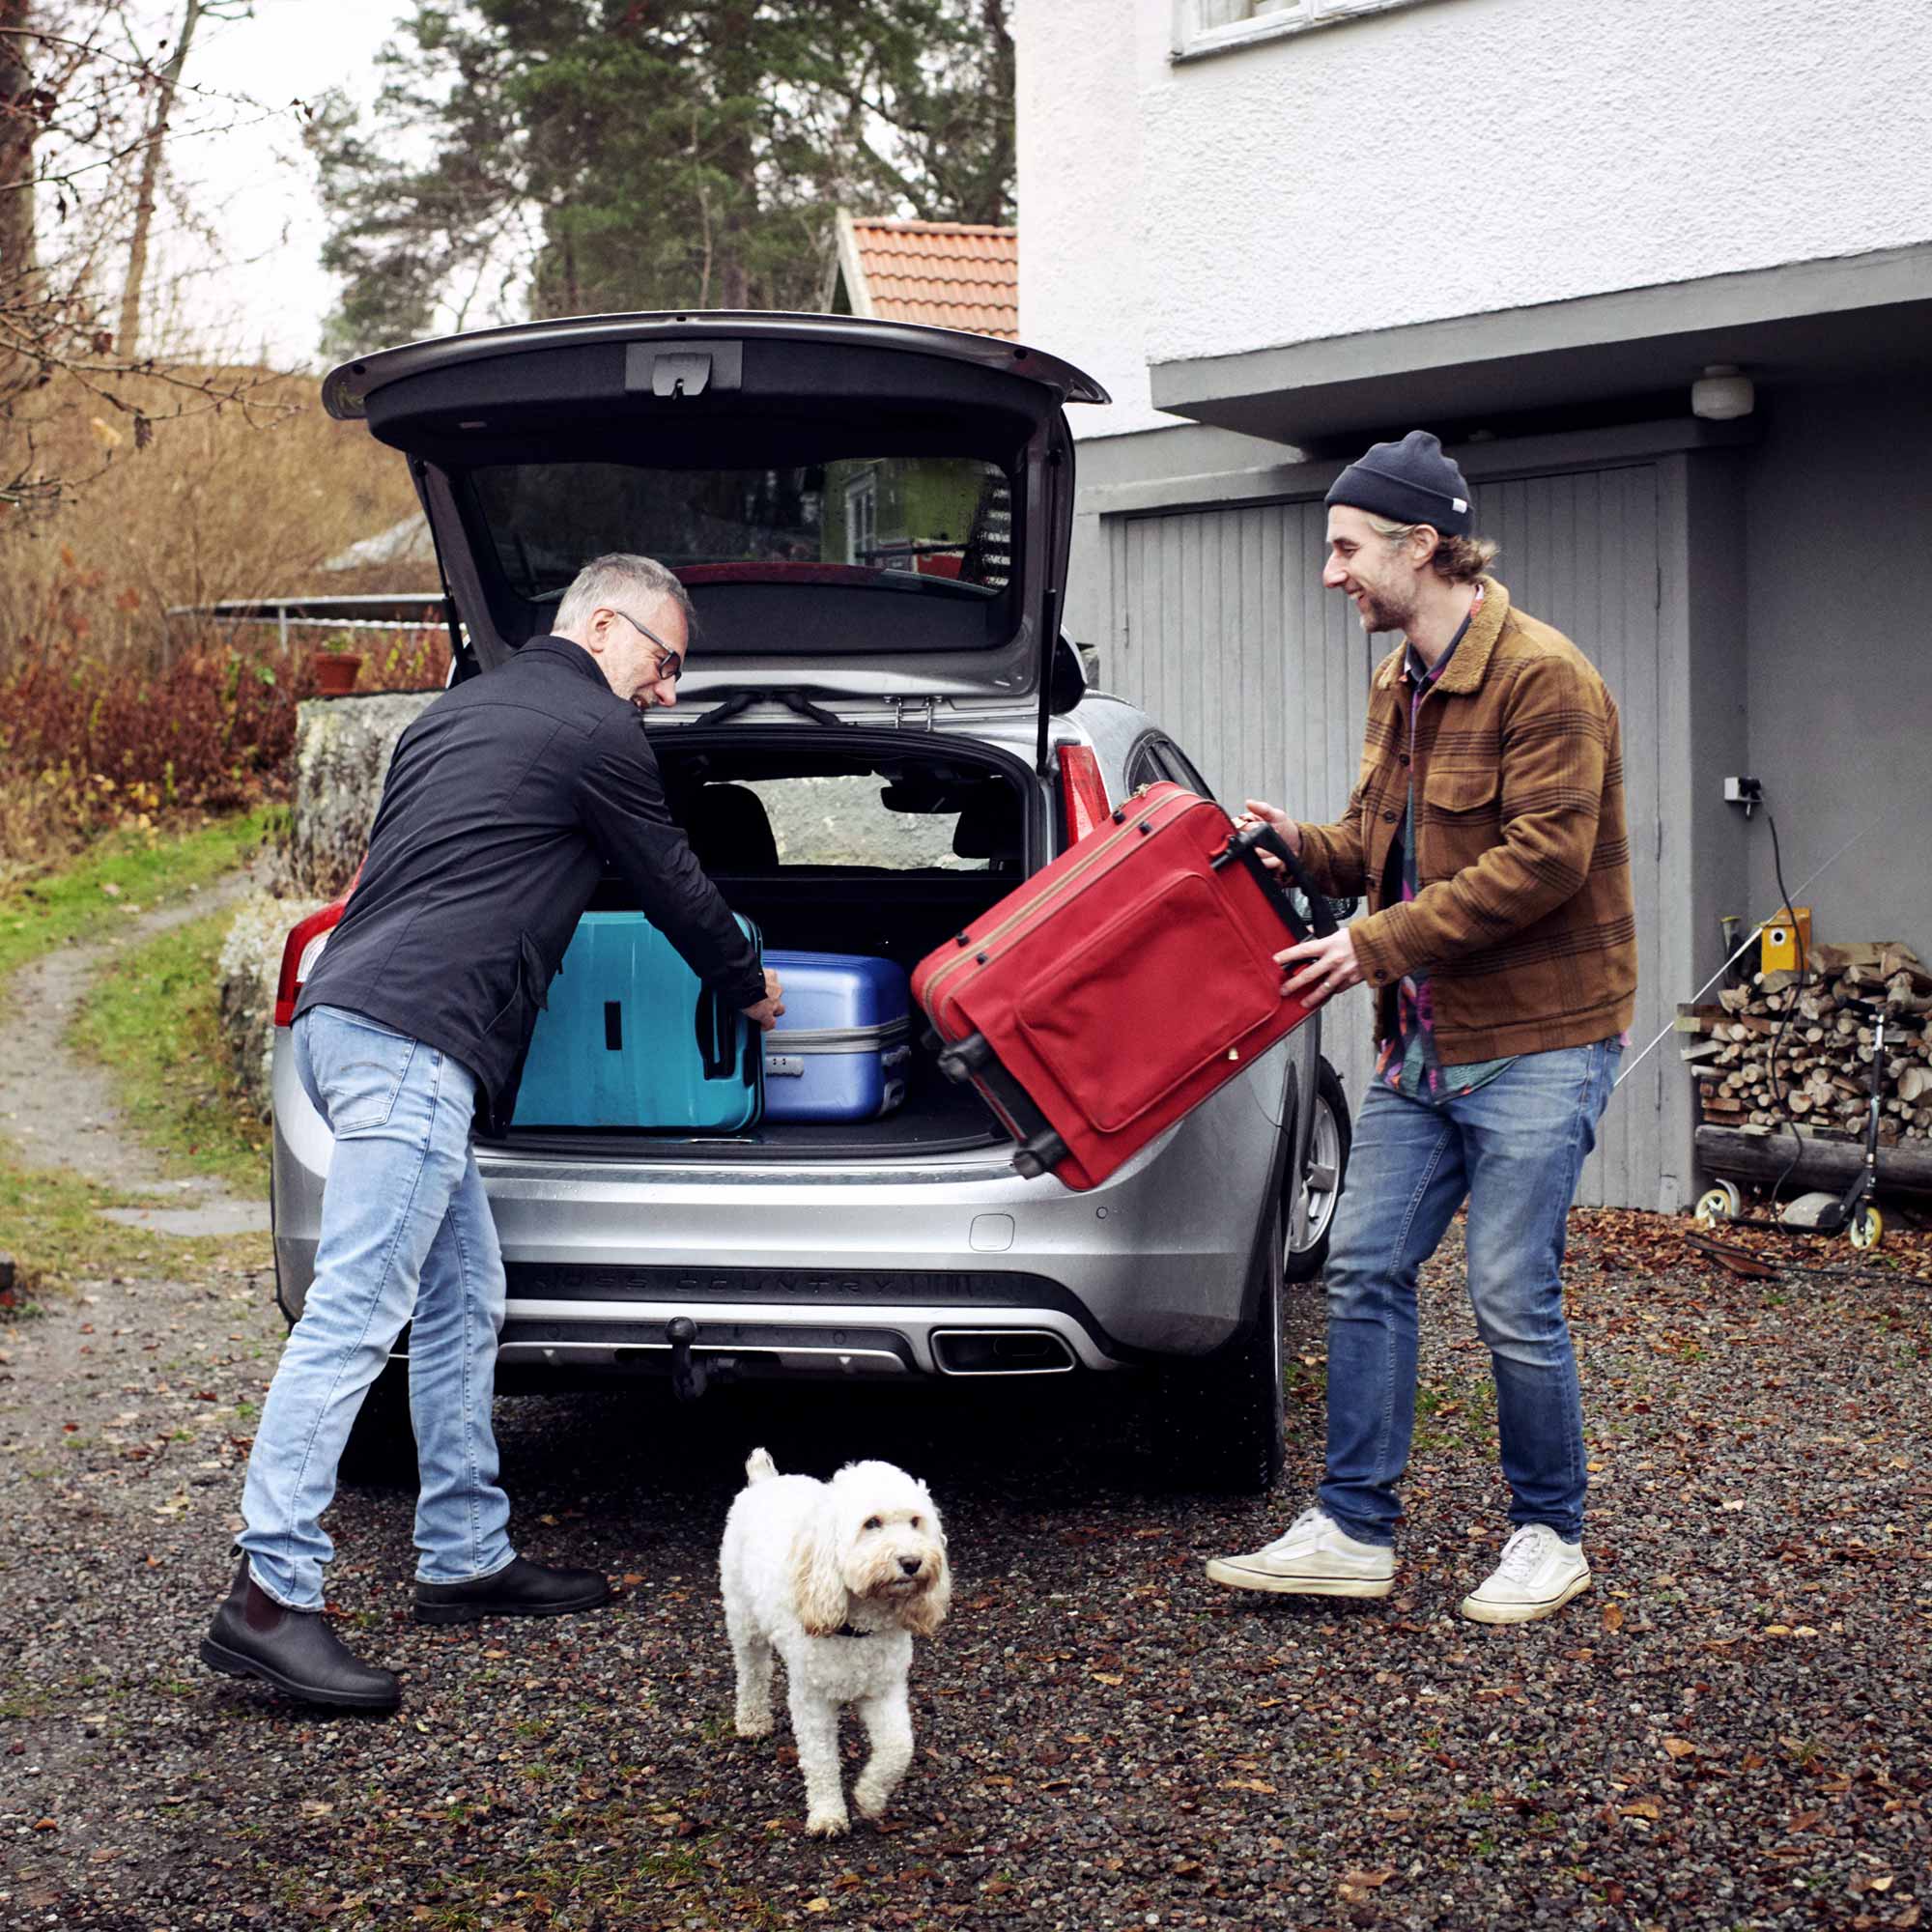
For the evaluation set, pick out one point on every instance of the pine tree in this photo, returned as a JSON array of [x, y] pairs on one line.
[[578, 156]]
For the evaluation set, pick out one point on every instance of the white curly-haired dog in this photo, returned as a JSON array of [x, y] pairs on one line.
[[838, 1579]]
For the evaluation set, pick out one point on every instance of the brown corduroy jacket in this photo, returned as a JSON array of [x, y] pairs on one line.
[[1523, 921]]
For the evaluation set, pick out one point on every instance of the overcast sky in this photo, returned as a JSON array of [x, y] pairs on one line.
[[270, 293]]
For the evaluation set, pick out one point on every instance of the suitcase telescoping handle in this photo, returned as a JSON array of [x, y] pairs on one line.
[[1246, 843]]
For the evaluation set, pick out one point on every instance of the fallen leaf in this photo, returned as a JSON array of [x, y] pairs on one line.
[[46, 1825], [1614, 1617], [630, 1580], [1248, 1784], [818, 1905], [1101, 1676], [1680, 1746], [1643, 1807], [1367, 1881]]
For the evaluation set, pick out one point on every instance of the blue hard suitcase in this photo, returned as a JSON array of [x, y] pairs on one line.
[[630, 1038], [843, 1046]]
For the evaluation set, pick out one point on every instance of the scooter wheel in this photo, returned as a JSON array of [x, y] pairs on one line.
[[1867, 1228], [1720, 1202]]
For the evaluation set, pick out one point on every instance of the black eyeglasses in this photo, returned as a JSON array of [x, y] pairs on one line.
[[671, 665]]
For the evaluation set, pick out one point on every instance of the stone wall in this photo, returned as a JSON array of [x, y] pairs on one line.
[[343, 746], [251, 963]]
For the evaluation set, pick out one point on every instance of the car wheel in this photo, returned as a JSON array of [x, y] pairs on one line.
[[381, 1452], [1324, 1172], [1219, 1423]]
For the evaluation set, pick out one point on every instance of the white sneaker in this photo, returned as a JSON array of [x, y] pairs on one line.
[[1538, 1574], [1315, 1557]]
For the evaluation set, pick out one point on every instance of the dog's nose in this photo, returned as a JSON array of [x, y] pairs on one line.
[[910, 1564]]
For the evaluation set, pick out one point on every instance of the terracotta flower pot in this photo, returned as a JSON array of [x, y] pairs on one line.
[[335, 672]]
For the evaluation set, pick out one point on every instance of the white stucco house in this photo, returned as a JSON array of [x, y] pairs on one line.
[[1279, 230]]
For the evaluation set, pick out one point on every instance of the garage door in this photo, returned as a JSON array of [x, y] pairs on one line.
[[1222, 631]]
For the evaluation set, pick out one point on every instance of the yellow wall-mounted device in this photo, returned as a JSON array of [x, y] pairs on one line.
[[1787, 939]]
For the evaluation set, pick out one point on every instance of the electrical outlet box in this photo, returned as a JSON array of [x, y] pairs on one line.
[[1743, 791]]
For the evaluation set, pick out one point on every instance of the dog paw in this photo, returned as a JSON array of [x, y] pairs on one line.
[[869, 1799], [755, 1727], [827, 1825]]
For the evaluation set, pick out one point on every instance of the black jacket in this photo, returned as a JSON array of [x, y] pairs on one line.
[[502, 805]]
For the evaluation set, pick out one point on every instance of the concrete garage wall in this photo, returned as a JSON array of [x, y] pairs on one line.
[[1837, 510], [1262, 229]]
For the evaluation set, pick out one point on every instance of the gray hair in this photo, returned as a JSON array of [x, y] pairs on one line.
[[1460, 560], [616, 575]]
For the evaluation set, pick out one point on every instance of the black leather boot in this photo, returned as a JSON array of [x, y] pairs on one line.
[[519, 1589], [253, 1635]]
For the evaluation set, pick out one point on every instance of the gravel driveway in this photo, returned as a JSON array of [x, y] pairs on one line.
[[1732, 1729]]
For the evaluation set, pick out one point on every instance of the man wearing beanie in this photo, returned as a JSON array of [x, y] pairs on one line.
[[1487, 833]]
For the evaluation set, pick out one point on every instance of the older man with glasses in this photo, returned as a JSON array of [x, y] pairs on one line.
[[504, 803]]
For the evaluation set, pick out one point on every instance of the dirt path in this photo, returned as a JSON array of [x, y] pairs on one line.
[[59, 1110]]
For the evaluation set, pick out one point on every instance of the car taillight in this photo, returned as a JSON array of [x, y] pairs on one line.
[[299, 952], [1083, 790]]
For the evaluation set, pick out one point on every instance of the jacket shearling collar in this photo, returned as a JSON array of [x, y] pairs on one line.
[[1470, 659]]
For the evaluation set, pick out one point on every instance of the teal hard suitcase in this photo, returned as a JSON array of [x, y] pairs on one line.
[[630, 1038]]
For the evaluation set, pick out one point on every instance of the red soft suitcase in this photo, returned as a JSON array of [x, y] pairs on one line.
[[1118, 988]]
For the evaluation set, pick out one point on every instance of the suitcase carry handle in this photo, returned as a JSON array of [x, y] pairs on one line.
[[717, 1037], [1246, 843]]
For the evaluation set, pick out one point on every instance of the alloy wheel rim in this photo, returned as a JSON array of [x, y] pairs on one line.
[[1320, 1178]]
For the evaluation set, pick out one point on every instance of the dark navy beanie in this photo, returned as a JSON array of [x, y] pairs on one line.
[[1409, 482]]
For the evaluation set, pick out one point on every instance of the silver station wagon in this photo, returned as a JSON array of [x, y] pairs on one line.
[[882, 731]]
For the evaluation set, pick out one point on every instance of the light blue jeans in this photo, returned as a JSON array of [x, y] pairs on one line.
[[1513, 1148], [406, 1236]]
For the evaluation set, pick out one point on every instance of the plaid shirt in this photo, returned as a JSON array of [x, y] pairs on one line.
[[1523, 918], [1408, 1061]]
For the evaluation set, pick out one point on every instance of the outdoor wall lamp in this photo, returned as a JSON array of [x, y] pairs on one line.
[[1722, 394]]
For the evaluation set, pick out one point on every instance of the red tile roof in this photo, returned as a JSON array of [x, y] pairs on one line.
[[956, 275]]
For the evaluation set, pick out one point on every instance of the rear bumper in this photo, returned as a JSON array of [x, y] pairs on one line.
[[855, 1272]]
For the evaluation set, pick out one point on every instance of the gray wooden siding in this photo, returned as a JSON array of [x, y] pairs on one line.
[[1222, 632]]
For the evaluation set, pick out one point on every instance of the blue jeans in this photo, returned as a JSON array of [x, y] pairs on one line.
[[407, 1236], [1515, 1149]]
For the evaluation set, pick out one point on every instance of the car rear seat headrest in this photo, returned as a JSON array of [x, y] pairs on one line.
[[729, 830]]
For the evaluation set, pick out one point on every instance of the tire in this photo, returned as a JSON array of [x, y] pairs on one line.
[[1324, 1172], [381, 1453], [1218, 1424]]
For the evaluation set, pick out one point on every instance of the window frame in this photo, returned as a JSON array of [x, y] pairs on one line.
[[1194, 41]]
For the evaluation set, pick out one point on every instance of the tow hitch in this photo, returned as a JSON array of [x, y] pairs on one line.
[[687, 1379]]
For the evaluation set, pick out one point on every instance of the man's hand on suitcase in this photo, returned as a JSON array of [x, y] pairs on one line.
[[1259, 812], [765, 1014], [1328, 966]]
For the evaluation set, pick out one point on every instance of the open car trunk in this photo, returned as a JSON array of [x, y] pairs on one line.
[[842, 841]]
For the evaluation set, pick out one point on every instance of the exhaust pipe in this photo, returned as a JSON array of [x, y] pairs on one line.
[[1002, 1352]]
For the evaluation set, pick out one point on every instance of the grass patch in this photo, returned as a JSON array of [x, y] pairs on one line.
[[125, 870], [153, 1018], [55, 1232]]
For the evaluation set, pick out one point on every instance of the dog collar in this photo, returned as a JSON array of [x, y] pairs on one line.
[[846, 1630]]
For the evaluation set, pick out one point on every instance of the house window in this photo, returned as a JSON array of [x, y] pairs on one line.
[[862, 520], [1213, 26]]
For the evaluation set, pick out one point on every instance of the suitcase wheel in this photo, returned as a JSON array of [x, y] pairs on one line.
[[960, 1063], [932, 1041], [1041, 1155]]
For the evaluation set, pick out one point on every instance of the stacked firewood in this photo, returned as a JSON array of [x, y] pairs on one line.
[[1817, 1070]]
